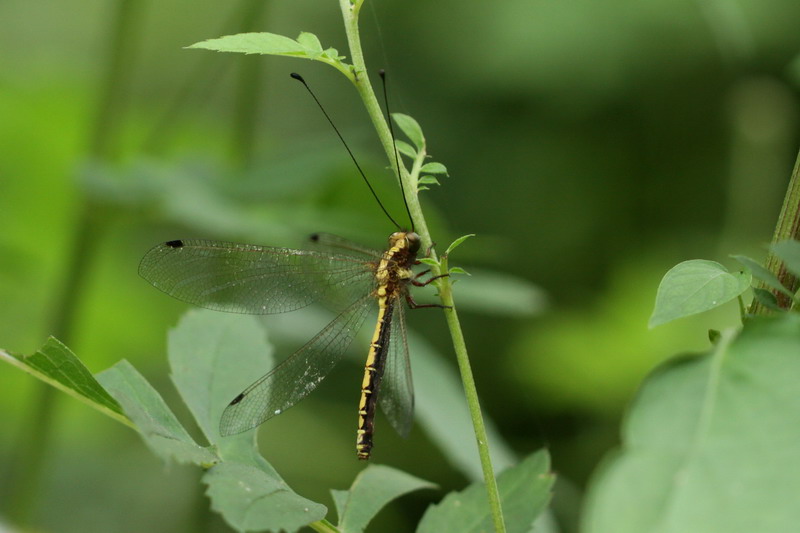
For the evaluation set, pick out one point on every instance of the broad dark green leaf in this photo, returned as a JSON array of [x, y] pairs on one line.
[[767, 299], [56, 365], [695, 286], [524, 493], [411, 128], [160, 429], [373, 488], [711, 442], [762, 274], [251, 500], [789, 252]]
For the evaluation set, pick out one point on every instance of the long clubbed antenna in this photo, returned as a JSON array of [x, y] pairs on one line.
[[299, 78], [394, 147]]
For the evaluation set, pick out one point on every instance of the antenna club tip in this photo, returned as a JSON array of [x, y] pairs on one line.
[[297, 76], [382, 73]]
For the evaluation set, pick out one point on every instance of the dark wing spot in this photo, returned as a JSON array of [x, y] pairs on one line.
[[314, 237], [174, 244], [237, 399]]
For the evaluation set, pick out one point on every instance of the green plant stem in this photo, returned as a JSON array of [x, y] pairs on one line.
[[788, 227], [409, 184], [323, 526]]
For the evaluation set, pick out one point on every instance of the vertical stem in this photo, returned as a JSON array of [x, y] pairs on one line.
[[35, 438], [788, 227], [361, 81]]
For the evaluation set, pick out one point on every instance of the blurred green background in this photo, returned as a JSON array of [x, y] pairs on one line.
[[590, 145]]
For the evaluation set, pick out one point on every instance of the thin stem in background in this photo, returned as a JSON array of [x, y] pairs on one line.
[[35, 438], [361, 81]]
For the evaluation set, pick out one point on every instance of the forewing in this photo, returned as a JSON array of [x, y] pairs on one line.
[[297, 376], [246, 278], [397, 388]]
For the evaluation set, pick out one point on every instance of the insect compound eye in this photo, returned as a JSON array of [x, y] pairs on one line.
[[413, 242]]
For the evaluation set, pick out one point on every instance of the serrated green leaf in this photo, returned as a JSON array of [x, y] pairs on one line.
[[789, 252], [251, 500], [310, 42], [373, 488], [456, 243], [56, 365], [213, 357], [762, 274], [434, 168], [524, 493], [710, 444], [406, 149], [428, 180], [411, 128], [255, 43], [767, 299], [158, 426], [695, 286], [333, 55]]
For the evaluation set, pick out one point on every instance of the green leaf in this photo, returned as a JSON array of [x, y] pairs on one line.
[[456, 243], [762, 274], [458, 270], [406, 149], [373, 488], [251, 500], [310, 42], [524, 493], [710, 444], [213, 357], [500, 294], [161, 430], [434, 168], [56, 365], [411, 128], [695, 286], [429, 261], [767, 299], [257, 43], [428, 180], [789, 252]]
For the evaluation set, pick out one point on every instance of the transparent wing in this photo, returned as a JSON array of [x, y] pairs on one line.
[[397, 389], [335, 243], [245, 278], [297, 376]]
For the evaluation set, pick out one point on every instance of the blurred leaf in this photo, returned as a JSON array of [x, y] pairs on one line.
[[373, 488], [161, 430], [251, 500], [433, 168], [695, 286], [428, 180], [762, 274], [710, 444], [456, 243], [789, 252], [411, 128], [56, 365], [406, 149], [428, 261], [501, 294], [767, 299], [458, 270], [524, 493]]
